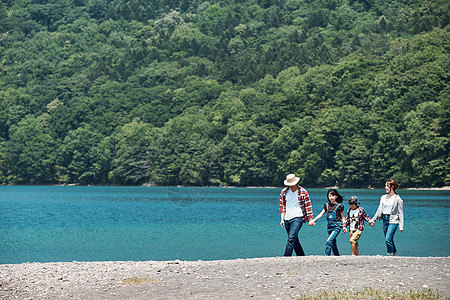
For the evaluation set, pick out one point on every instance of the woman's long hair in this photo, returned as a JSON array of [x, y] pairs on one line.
[[339, 198], [392, 184]]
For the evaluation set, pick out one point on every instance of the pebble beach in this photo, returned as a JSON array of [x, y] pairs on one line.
[[255, 278]]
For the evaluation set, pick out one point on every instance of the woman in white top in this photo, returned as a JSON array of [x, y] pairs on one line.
[[391, 211]]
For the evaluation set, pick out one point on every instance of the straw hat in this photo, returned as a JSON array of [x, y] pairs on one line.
[[291, 179]]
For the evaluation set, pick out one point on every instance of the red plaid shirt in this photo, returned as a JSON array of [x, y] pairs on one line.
[[360, 221], [303, 200]]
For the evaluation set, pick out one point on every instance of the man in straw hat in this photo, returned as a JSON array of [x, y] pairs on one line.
[[295, 209]]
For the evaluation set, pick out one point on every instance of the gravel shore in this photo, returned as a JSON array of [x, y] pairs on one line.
[[257, 278]]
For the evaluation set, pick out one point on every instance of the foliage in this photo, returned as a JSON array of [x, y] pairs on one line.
[[177, 92], [376, 294]]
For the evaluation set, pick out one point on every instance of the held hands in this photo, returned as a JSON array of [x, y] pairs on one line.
[[312, 223], [344, 230]]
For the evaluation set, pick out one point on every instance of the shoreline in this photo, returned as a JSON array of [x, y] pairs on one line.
[[443, 188], [256, 278]]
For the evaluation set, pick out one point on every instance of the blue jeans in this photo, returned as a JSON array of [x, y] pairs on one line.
[[331, 241], [389, 231], [292, 228]]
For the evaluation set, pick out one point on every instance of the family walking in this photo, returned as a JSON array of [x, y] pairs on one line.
[[296, 209]]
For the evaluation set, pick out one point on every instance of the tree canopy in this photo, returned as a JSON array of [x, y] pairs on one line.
[[176, 92]]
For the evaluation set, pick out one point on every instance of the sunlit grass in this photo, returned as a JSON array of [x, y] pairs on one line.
[[138, 281], [375, 294]]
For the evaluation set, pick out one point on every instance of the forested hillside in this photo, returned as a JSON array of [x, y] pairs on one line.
[[189, 92]]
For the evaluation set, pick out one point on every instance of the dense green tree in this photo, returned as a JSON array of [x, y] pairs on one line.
[[424, 144], [132, 158], [244, 154], [31, 151], [3, 166], [81, 157], [176, 92], [353, 163]]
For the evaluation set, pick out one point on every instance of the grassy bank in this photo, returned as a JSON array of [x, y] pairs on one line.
[[376, 294]]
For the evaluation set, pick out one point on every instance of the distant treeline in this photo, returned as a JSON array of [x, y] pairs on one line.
[[190, 92]]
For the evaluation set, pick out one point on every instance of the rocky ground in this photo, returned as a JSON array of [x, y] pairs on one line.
[[258, 278]]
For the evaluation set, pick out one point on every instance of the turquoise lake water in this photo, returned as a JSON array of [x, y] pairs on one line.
[[49, 224]]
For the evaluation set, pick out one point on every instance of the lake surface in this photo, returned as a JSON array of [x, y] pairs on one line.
[[50, 224]]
